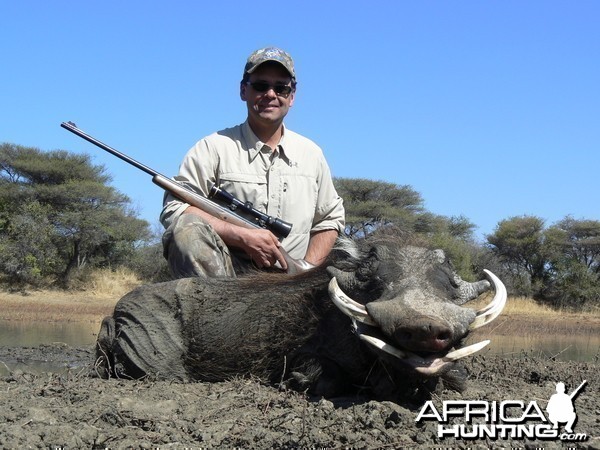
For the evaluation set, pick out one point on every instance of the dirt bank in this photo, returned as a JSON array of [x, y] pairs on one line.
[[56, 306], [76, 410]]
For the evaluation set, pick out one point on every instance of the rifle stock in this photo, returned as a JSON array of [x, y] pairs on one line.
[[188, 196]]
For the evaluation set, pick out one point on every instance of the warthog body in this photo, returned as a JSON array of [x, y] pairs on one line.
[[288, 329]]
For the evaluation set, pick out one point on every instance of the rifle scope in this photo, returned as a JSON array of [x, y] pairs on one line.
[[279, 227]]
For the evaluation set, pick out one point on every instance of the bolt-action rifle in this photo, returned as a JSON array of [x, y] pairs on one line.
[[235, 211], [576, 391]]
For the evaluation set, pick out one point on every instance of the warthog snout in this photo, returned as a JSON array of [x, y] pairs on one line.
[[423, 334], [413, 331]]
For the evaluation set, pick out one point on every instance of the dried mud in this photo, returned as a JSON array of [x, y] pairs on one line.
[[74, 409]]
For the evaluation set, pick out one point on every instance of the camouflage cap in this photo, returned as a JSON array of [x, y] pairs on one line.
[[270, 54]]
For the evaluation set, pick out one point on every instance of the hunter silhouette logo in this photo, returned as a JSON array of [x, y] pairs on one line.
[[516, 419], [560, 407]]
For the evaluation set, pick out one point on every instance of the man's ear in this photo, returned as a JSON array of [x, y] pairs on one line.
[[243, 87]]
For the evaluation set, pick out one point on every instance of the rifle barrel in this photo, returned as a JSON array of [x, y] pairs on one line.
[[576, 391], [73, 129]]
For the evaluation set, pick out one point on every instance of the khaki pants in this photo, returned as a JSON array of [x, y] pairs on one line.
[[193, 249]]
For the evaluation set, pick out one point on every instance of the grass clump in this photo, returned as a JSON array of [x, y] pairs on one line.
[[112, 283]]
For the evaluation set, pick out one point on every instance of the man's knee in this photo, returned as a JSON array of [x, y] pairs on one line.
[[193, 248]]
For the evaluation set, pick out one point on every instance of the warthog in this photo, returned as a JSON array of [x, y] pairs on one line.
[[376, 319]]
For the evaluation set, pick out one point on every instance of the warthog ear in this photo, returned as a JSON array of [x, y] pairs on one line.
[[466, 291], [470, 291]]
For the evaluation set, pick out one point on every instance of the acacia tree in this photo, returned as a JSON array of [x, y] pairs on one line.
[[575, 261], [519, 243], [57, 213], [27, 252], [559, 264], [372, 204], [578, 240]]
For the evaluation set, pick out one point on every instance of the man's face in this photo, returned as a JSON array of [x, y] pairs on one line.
[[267, 107]]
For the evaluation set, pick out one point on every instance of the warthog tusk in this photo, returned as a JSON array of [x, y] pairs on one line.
[[348, 306], [452, 356], [383, 346], [493, 310], [425, 365], [466, 351]]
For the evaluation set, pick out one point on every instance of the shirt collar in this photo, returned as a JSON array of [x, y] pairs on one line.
[[255, 145]]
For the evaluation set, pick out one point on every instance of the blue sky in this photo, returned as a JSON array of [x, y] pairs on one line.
[[489, 109]]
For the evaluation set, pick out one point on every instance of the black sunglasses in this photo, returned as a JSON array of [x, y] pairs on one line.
[[262, 86]]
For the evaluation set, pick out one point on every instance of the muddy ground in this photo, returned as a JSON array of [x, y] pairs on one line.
[[74, 409]]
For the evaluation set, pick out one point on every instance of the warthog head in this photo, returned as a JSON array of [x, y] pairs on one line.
[[406, 302]]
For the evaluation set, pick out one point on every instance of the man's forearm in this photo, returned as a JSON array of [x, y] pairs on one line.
[[320, 246]]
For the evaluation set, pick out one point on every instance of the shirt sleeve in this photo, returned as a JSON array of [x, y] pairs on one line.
[[198, 172], [329, 212]]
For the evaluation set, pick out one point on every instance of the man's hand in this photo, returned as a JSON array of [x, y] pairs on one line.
[[262, 246]]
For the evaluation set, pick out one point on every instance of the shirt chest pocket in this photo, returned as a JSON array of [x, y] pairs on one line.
[[246, 187], [300, 201]]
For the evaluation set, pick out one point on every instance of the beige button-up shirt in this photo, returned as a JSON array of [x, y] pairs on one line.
[[292, 182]]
